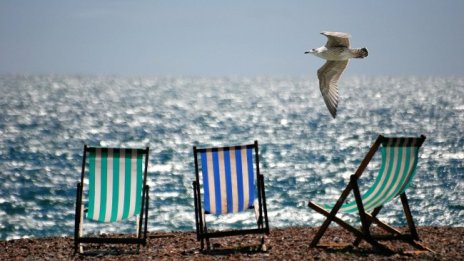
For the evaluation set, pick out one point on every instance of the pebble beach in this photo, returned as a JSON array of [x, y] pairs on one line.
[[290, 243]]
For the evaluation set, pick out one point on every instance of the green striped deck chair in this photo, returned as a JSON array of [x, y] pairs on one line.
[[116, 191], [230, 183], [397, 169]]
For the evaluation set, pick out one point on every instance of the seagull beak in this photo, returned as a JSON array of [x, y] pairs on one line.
[[310, 51]]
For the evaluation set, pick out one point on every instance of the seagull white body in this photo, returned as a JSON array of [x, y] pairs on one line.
[[324, 53], [337, 52]]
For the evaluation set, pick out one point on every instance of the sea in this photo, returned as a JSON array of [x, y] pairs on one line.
[[305, 154]]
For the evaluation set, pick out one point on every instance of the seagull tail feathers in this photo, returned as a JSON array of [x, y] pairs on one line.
[[360, 53]]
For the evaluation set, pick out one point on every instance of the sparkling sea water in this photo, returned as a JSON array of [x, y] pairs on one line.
[[304, 153]]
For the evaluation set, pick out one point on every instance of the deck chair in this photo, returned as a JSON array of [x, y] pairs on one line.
[[399, 161], [231, 183], [116, 191]]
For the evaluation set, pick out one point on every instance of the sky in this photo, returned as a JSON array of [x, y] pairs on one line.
[[227, 38]]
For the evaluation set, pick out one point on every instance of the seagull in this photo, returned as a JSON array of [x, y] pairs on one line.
[[337, 52]]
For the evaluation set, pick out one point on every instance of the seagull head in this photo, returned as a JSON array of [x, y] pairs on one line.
[[310, 51]]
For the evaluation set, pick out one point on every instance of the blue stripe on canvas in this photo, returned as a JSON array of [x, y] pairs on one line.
[[250, 177], [217, 181]]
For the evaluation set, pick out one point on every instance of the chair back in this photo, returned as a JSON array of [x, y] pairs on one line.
[[399, 161], [116, 179], [228, 178]]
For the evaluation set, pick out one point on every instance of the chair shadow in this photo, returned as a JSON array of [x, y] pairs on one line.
[[108, 252], [354, 250], [250, 249], [217, 250]]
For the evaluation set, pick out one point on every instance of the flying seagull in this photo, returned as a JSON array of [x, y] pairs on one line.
[[337, 52]]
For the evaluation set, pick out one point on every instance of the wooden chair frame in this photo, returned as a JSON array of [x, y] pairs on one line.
[[201, 227], [367, 219], [141, 237]]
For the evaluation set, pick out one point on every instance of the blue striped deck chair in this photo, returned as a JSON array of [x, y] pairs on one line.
[[230, 183], [397, 169], [116, 191]]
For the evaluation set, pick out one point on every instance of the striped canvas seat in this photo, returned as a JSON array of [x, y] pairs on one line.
[[115, 184], [399, 162], [116, 191], [230, 183], [228, 179]]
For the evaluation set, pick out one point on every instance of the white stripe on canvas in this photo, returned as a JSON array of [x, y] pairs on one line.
[[233, 174], [96, 205], [122, 183], [246, 191], [222, 181], [109, 186], [133, 182]]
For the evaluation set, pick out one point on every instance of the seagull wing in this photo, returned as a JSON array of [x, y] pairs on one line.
[[328, 76], [337, 39]]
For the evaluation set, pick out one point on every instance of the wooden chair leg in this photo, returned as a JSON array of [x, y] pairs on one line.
[[331, 215], [369, 223], [360, 205], [348, 227], [323, 227], [407, 212], [81, 228]]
